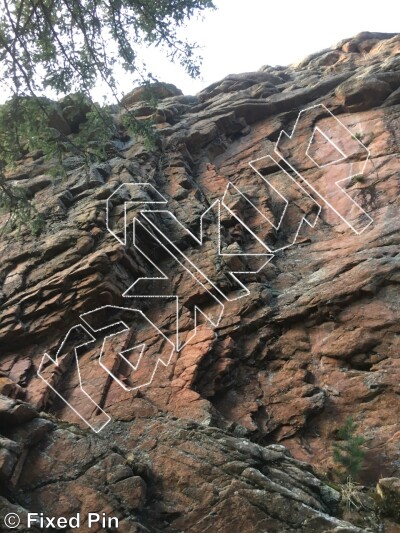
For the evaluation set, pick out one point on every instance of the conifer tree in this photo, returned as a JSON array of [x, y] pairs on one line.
[[349, 452], [68, 46]]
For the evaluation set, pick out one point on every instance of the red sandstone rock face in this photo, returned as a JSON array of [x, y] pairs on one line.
[[315, 341]]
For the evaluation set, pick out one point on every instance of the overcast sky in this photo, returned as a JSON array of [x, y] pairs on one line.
[[243, 35]]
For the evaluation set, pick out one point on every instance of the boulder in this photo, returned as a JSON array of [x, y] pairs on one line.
[[14, 412], [388, 491], [150, 91], [360, 93]]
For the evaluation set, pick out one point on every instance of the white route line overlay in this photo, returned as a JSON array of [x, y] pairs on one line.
[[142, 345], [368, 153], [297, 185], [47, 358], [161, 200], [163, 276]]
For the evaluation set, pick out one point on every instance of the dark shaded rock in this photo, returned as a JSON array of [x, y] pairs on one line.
[[358, 94], [7, 463], [14, 412], [74, 109], [58, 122], [159, 91], [31, 432], [388, 490]]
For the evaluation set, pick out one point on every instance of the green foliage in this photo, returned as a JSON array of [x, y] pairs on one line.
[[67, 46], [349, 453], [94, 134], [357, 179], [24, 126], [29, 124], [140, 128], [20, 210]]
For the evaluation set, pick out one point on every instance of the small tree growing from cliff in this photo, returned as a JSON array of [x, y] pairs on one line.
[[349, 453]]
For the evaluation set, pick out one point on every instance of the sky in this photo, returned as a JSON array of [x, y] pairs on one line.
[[243, 35]]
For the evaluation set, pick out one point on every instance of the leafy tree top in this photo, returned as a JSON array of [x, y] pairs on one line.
[[67, 45]]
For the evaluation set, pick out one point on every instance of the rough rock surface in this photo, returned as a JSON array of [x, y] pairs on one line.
[[169, 475], [314, 341]]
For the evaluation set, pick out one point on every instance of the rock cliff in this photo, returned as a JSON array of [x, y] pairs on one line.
[[259, 303]]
